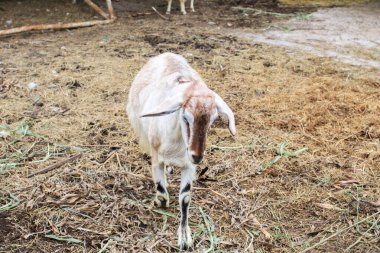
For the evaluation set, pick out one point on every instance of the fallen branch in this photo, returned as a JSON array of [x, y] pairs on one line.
[[159, 14], [56, 165], [54, 26], [97, 8], [59, 26]]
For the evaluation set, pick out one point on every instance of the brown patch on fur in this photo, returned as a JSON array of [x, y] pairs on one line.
[[198, 142], [156, 142], [201, 107]]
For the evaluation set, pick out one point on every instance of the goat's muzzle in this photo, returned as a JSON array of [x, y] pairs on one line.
[[196, 159]]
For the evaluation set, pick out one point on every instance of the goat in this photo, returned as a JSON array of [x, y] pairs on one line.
[[168, 87], [182, 5]]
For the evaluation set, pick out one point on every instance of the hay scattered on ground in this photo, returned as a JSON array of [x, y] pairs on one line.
[[303, 168]]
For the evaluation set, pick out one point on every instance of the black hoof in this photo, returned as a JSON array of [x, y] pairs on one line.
[[186, 247]]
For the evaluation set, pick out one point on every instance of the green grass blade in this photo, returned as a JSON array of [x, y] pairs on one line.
[[104, 248], [210, 229], [169, 214], [297, 152], [65, 239], [13, 203], [281, 148], [273, 161]]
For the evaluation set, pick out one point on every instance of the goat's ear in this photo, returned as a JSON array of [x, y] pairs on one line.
[[168, 106], [225, 110], [171, 104]]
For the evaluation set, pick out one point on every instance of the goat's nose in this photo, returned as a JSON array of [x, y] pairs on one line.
[[197, 159]]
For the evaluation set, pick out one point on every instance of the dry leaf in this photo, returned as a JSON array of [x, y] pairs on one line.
[[328, 206]]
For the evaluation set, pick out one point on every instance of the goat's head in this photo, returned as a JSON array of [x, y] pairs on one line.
[[198, 108]]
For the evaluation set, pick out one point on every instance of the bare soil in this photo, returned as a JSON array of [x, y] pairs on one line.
[[347, 34], [255, 192]]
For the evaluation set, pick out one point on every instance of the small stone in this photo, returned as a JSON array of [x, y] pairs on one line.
[[8, 23], [32, 86], [56, 109], [4, 134], [211, 23]]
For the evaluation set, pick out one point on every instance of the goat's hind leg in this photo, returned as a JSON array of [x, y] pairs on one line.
[[169, 6], [184, 234], [182, 5], [159, 179], [192, 6]]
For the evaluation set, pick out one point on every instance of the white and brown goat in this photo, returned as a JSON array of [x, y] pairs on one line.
[[168, 87], [182, 6]]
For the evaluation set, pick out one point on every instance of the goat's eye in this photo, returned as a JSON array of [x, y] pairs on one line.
[[185, 120]]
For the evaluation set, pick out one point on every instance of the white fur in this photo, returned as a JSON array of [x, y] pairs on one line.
[[149, 89], [182, 5], [160, 89]]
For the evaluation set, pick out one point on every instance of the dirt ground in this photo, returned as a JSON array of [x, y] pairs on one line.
[[302, 174], [348, 34]]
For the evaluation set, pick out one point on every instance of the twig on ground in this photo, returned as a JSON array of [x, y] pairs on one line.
[[236, 178], [231, 148], [261, 12], [99, 145], [215, 192], [137, 175], [267, 235], [97, 8], [118, 160], [353, 244], [338, 233], [56, 165], [252, 237], [109, 157], [36, 233], [160, 15]]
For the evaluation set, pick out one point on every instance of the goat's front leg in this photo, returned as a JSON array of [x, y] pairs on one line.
[[184, 233], [159, 179]]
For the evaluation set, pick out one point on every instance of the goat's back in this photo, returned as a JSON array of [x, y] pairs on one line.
[[151, 86], [155, 73]]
